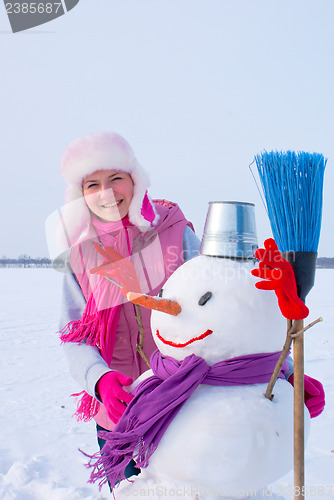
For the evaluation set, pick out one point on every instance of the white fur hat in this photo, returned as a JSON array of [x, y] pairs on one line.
[[102, 151]]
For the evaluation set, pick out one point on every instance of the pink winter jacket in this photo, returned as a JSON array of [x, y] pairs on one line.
[[160, 253]]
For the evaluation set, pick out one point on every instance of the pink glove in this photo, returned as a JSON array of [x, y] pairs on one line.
[[113, 396], [314, 395]]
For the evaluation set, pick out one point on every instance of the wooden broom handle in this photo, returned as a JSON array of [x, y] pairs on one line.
[[298, 413]]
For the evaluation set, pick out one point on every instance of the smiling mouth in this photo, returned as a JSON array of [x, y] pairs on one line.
[[110, 205], [179, 345]]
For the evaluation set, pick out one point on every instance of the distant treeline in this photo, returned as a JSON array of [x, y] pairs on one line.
[[325, 262], [322, 262], [26, 262]]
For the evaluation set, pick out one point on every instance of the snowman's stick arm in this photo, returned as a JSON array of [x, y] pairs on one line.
[[293, 332], [288, 341], [140, 344], [299, 332]]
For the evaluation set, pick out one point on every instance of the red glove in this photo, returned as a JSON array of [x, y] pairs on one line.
[[117, 267], [113, 396], [314, 395], [279, 276]]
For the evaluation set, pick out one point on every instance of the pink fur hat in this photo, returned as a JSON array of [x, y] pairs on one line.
[[102, 151]]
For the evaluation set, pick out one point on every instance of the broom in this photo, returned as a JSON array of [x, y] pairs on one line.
[[292, 184]]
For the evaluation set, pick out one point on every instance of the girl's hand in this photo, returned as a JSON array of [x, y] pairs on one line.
[[314, 395], [113, 396]]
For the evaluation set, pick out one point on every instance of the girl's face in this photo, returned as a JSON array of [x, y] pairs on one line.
[[108, 194]]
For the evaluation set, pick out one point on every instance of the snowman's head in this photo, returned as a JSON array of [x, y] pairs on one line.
[[222, 314]]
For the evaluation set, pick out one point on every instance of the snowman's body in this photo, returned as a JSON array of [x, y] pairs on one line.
[[227, 442]]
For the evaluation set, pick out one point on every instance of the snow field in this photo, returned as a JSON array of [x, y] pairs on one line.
[[39, 457]]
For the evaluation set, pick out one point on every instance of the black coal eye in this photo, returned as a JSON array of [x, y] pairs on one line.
[[203, 300], [160, 292]]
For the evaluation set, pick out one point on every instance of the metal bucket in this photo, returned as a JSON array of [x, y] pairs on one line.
[[229, 230]]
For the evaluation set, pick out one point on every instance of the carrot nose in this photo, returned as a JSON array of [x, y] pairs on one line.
[[163, 305]]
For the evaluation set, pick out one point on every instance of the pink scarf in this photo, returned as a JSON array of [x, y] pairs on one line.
[[98, 325]]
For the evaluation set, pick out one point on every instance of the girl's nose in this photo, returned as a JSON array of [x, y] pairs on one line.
[[164, 305], [106, 191]]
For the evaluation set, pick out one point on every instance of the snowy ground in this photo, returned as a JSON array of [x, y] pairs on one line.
[[39, 458]]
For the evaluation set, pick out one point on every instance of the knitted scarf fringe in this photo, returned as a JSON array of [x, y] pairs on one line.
[[87, 407], [91, 329], [83, 331], [111, 466]]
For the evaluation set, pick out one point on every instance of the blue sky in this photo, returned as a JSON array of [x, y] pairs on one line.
[[197, 87]]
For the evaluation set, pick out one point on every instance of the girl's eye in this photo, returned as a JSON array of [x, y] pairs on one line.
[[203, 300], [91, 186]]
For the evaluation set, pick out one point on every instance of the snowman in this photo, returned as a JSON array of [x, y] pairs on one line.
[[199, 425]]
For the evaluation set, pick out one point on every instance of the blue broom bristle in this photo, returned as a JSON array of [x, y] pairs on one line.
[[292, 184]]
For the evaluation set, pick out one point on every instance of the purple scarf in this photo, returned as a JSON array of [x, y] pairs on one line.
[[159, 398]]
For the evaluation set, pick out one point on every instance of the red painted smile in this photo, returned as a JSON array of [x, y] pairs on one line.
[[174, 344]]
